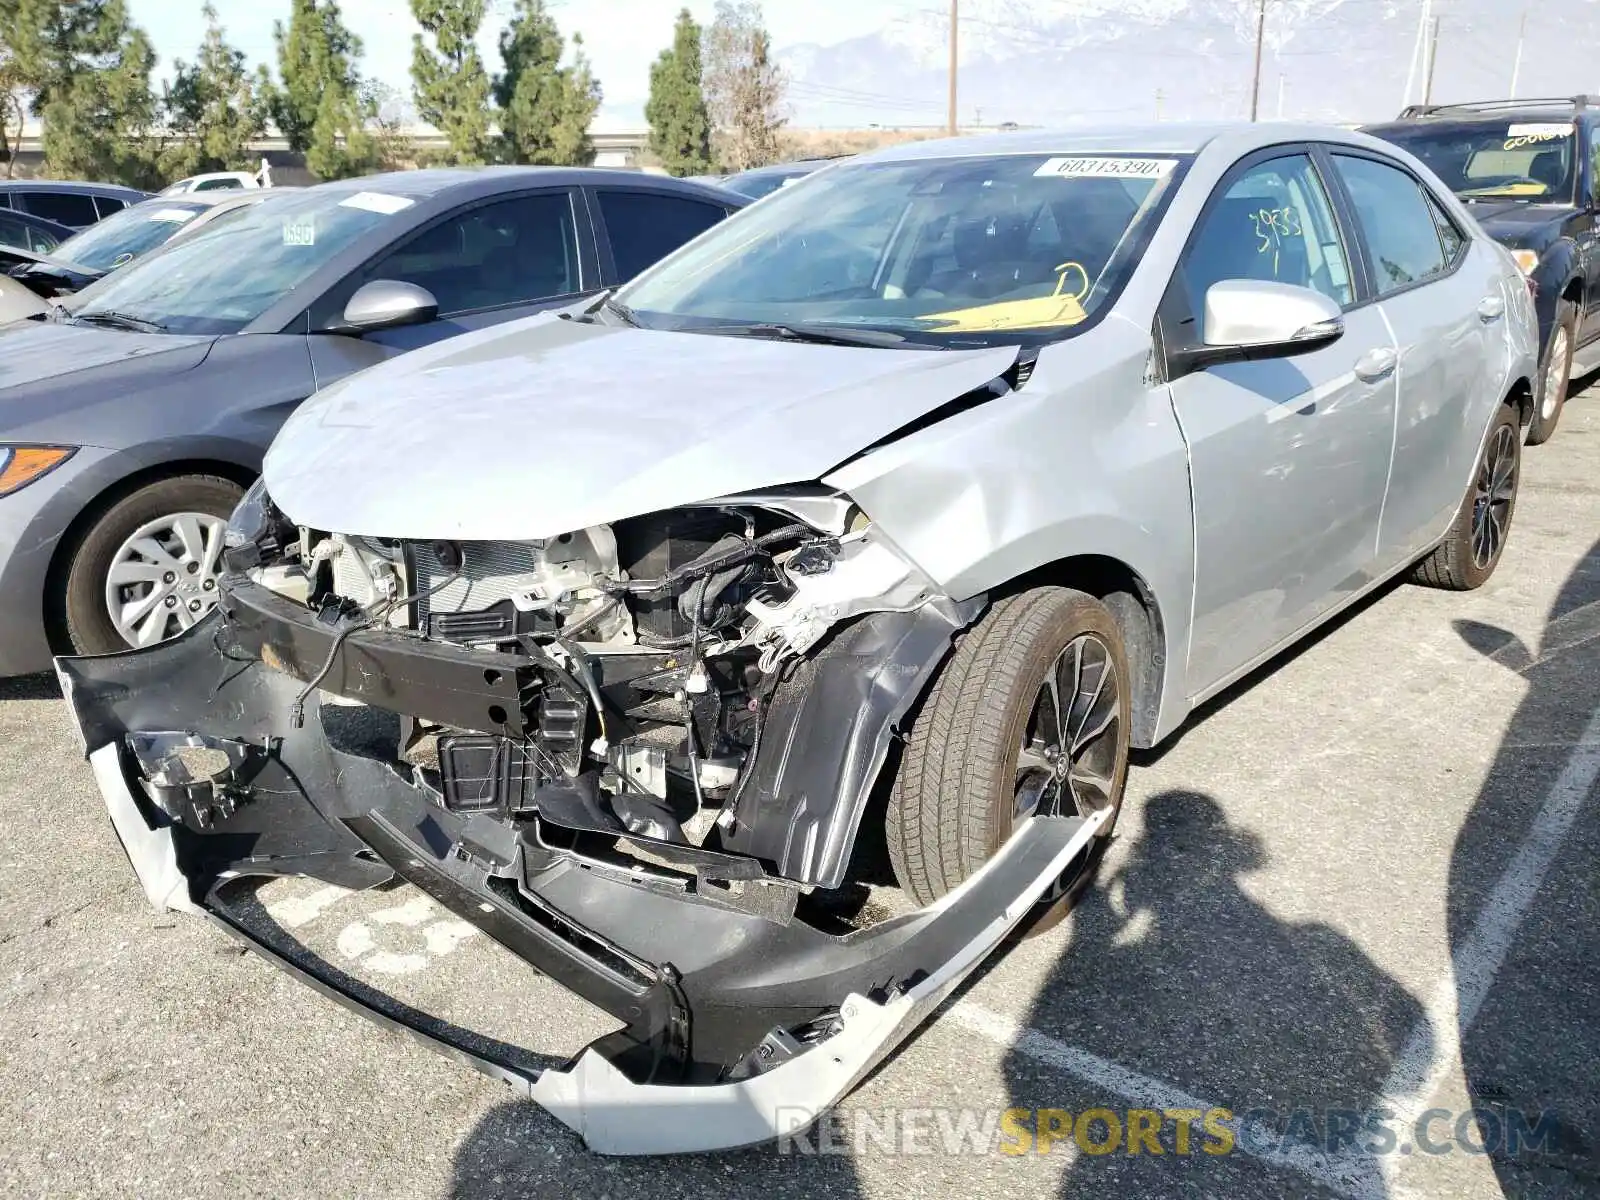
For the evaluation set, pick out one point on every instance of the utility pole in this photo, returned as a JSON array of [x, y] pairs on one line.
[[954, 17], [1281, 78], [1516, 61], [1417, 50], [1261, 32], [1433, 61]]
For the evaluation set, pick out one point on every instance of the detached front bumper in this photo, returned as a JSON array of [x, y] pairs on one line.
[[741, 1022]]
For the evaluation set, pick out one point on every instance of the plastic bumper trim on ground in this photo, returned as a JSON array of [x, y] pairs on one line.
[[615, 1115]]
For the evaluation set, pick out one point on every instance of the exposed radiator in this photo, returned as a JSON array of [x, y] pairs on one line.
[[490, 572]]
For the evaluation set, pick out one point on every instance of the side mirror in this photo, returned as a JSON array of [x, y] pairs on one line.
[[1261, 318], [387, 304], [1278, 318]]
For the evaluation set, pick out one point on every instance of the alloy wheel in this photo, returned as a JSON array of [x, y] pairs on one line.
[[1493, 493], [1556, 373], [1068, 764], [163, 578]]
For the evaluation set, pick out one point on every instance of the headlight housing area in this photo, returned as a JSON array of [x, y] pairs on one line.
[[249, 516], [20, 464], [1527, 260]]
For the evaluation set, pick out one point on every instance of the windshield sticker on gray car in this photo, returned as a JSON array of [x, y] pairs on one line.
[[378, 202], [300, 233], [1107, 168], [176, 215]]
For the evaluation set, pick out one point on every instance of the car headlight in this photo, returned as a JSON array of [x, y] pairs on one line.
[[21, 465], [249, 517], [1528, 260]]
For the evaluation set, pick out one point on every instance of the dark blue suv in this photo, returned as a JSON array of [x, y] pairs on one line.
[[1530, 173]]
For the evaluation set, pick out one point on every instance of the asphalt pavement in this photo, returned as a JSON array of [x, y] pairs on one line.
[[1351, 905]]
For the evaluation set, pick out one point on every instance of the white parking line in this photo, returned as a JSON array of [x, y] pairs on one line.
[[1355, 1177], [1434, 1047]]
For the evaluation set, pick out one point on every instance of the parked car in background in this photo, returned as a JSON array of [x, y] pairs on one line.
[[763, 181], [25, 232], [125, 236], [75, 205], [18, 303], [900, 507], [130, 427], [212, 181], [1529, 171]]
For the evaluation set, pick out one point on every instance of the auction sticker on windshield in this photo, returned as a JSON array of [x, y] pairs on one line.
[[1107, 168], [300, 233], [378, 202], [176, 215]]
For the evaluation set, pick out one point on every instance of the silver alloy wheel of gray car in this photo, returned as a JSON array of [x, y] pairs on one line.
[[1493, 494], [1067, 763], [1555, 372], [163, 578]]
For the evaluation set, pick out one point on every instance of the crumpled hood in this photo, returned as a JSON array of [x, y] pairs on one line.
[[32, 352], [544, 426]]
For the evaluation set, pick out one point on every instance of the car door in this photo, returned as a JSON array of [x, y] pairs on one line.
[[638, 228], [485, 262], [1288, 456], [1446, 308]]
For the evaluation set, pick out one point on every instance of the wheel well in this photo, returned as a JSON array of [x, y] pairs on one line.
[[1121, 589], [1521, 396], [60, 561]]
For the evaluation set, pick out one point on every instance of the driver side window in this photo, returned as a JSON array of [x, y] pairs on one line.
[[1273, 222]]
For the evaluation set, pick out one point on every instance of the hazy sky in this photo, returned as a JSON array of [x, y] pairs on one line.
[[622, 37]]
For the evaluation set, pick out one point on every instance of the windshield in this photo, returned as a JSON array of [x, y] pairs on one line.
[[123, 236], [968, 251], [231, 271], [1511, 160]]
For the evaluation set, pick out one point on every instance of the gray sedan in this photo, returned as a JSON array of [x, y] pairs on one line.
[[129, 429], [900, 508]]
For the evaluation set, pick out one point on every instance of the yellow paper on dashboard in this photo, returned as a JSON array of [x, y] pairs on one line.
[[1060, 308]]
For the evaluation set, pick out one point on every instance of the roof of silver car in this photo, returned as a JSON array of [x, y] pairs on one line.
[[1163, 137]]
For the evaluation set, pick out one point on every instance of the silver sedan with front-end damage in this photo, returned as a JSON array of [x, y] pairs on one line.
[[895, 510]]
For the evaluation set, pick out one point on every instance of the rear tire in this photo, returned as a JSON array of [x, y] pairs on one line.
[[1556, 375], [1471, 550], [84, 603], [976, 763]]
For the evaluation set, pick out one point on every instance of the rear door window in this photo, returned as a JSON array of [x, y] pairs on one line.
[[1401, 233], [645, 227], [108, 205], [68, 208]]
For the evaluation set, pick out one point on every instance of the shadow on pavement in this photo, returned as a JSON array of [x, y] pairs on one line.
[[1533, 1048], [1176, 972], [30, 687]]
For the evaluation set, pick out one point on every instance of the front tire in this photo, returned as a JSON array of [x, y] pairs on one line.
[[1556, 376], [147, 568], [1477, 538], [987, 750]]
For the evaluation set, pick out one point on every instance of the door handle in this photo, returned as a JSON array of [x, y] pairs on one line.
[[1375, 365], [1491, 308]]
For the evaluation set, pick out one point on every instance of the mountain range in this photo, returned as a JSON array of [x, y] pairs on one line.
[[1062, 62]]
